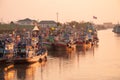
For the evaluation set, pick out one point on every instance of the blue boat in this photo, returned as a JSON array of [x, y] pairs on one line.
[[116, 29], [29, 48], [6, 51]]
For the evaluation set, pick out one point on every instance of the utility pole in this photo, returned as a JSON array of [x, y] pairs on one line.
[[1, 21], [57, 16]]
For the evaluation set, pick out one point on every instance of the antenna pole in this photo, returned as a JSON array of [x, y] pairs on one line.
[[57, 16]]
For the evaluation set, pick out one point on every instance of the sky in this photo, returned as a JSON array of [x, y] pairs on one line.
[[68, 10]]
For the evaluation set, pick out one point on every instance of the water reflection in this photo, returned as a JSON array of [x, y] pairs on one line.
[[27, 71], [7, 72], [20, 71], [2, 73], [62, 54], [69, 55], [90, 51], [24, 72], [117, 35]]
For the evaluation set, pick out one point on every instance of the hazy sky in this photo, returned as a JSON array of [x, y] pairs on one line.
[[69, 10]]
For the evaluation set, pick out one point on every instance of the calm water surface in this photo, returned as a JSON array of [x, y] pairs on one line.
[[100, 63]]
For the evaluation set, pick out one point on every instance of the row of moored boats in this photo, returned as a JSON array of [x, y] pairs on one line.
[[33, 46]]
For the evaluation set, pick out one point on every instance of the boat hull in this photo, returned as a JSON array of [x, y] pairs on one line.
[[63, 47], [3, 60], [34, 59]]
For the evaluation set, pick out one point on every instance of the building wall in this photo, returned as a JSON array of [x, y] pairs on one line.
[[108, 25], [48, 25]]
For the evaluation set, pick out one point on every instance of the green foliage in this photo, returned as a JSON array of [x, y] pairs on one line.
[[78, 25], [11, 27]]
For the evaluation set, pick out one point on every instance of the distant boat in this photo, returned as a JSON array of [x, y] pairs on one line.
[[116, 29]]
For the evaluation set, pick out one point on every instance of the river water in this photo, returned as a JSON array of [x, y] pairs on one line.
[[99, 63]]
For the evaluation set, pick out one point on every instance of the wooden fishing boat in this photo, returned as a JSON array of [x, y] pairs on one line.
[[63, 46], [116, 29], [47, 45], [29, 55], [30, 51], [30, 59], [85, 44], [6, 51]]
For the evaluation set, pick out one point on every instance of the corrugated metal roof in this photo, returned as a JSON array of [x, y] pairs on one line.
[[27, 20], [47, 22]]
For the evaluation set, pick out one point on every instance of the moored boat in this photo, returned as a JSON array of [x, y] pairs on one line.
[[29, 54], [87, 38], [116, 29], [2, 58], [64, 46], [6, 51], [29, 50], [28, 58]]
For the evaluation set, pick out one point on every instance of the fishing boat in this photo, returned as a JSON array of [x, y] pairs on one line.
[[6, 51], [87, 38], [2, 58], [29, 50], [29, 55], [79, 41], [63, 46], [116, 29], [64, 41]]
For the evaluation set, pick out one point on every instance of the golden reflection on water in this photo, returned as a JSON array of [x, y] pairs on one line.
[[20, 71]]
